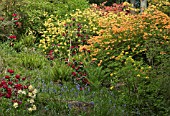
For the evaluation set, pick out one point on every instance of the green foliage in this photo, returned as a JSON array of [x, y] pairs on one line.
[[96, 75], [36, 16], [32, 60], [61, 71], [96, 1]]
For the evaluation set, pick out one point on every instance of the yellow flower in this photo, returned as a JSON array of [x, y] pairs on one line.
[[111, 74], [138, 75], [149, 67], [15, 105], [146, 77], [112, 87]]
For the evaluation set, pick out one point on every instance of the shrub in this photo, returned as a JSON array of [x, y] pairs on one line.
[[36, 16]]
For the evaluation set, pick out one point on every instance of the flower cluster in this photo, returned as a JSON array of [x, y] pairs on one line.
[[17, 90], [79, 75], [9, 30], [69, 34]]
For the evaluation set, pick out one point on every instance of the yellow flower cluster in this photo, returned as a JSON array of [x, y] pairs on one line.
[[55, 28]]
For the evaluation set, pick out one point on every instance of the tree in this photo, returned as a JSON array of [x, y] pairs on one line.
[[143, 5]]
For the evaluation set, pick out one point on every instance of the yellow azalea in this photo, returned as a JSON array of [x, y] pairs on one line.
[[15, 105]]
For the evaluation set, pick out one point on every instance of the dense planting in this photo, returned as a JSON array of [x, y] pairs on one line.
[[69, 57]]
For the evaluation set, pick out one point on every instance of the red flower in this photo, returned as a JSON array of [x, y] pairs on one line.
[[25, 87], [14, 15], [10, 71], [73, 66], [18, 86], [72, 47], [13, 37], [74, 73], [17, 76], [1, 94], [23, 78], [10, 83], [5, 86], [8, 95], [7, 77], [16, 80], [9, 90], [85, 81], [15, 18], [88, 51], [3, 82]]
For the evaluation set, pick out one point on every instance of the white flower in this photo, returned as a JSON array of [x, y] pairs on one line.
[[15, 105], [30, 109], [35, 91], [31, 101], [19, 91], [30, 94], [30, 88], [34, 107], [23, 92], [33, 96]]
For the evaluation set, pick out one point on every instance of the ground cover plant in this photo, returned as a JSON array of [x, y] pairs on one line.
[[70, 57]]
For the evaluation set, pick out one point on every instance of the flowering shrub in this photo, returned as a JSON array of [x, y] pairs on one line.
[[62, 38], [116, 42], [17, 91]]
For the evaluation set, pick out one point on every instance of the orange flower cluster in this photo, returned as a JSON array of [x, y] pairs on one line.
[[118, 28]]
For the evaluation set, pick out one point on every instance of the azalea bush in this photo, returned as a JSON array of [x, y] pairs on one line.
[[16, 92]]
